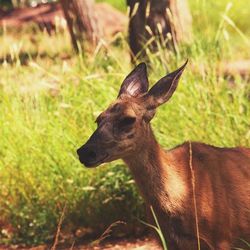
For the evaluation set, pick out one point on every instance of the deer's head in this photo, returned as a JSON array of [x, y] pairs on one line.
[[123, 126]]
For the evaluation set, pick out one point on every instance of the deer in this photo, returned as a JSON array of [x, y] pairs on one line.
[[200, 194]]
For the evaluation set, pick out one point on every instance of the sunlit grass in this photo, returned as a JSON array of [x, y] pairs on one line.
[[47, 110]]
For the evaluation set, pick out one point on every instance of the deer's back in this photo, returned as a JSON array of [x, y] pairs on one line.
[[222, 188]]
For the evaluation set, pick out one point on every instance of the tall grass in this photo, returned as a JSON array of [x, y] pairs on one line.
[[48, 107]]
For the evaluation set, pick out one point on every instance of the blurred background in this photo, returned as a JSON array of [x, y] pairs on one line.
[[62, 63]]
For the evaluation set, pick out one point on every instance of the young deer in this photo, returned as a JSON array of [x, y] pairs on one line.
[[219, 203]]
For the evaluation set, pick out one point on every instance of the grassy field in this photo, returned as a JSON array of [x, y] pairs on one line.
[[49, 99]]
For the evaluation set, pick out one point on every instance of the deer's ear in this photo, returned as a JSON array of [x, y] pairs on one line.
[[136, 82], [164, 88]]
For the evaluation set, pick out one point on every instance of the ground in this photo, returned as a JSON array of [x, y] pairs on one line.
[[50, 97], [48, 16], [124, 244]]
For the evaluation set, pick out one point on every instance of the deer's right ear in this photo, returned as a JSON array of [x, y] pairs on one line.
[[136, 82]]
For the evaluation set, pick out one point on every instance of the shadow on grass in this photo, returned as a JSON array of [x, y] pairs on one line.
[[24, 58]]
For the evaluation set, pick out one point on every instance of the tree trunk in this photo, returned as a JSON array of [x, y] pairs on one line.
[[82, 22], [168, 20]]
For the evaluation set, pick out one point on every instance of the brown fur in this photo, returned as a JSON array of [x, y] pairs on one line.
[[222, 193], [164, 178]]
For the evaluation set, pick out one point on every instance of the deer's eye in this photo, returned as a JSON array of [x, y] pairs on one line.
[[126, 122]]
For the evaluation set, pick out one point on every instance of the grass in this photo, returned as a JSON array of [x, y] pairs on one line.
[[48, 106], [120, 5], [157, 229]]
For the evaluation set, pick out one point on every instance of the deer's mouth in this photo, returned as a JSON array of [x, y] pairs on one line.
[[92, 162], [96, 163]]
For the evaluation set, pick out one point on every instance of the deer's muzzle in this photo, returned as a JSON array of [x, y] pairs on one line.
[[90, 156]]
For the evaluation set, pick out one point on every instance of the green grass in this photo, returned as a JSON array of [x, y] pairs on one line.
[[48, 107], [120, 5]]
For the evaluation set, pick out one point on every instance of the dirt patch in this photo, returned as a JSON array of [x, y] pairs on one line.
[[111, 21], [43, 15], [137, 244], [122, 244], [240, 67]]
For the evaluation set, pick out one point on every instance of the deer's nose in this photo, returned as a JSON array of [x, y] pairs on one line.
[[86, 155]]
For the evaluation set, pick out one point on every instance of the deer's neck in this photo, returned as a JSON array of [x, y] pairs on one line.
[[156, 175]]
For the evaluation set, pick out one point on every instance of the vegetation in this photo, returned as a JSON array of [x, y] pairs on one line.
[[49, 99]]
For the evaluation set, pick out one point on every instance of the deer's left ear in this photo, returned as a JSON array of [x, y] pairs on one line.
[[136, 82], [162, 91]]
